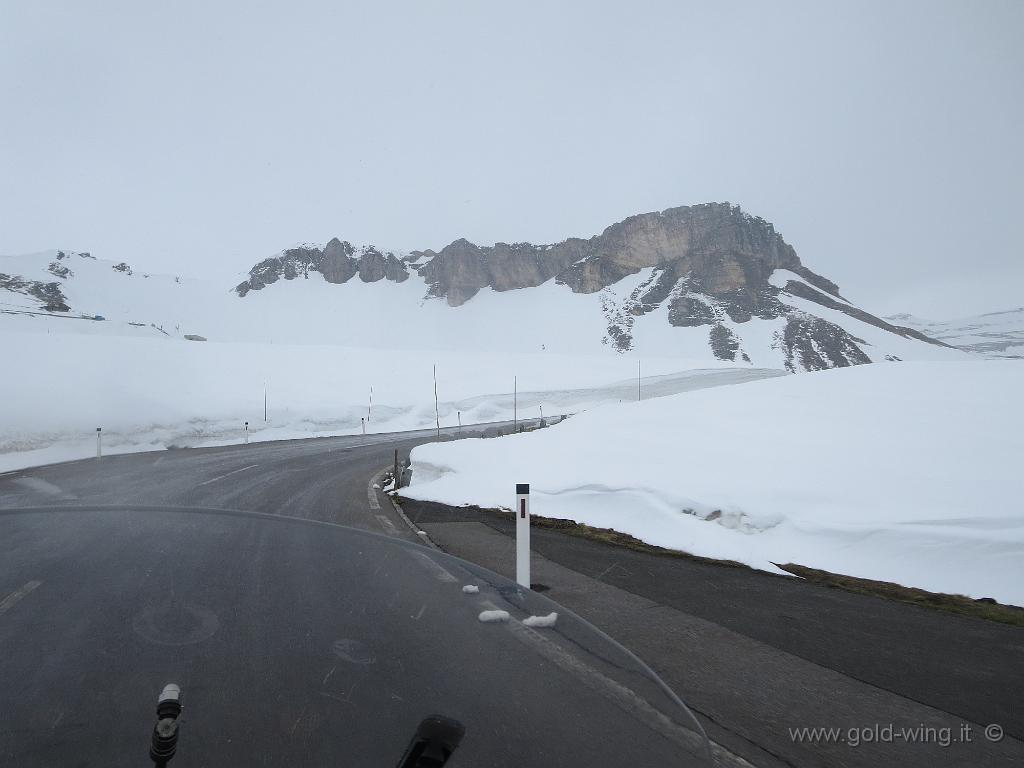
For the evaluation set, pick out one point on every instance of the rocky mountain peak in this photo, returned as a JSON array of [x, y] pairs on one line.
[[710, 265]]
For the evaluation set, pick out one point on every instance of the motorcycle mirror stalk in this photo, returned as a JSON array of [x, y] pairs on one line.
[[165, 732]]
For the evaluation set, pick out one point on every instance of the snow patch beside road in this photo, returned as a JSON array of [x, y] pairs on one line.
[[908, 472]]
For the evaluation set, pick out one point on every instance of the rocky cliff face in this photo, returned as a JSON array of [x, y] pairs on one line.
[[710, 266], [338, 262]]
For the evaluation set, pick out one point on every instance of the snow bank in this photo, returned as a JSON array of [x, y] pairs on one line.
[[906, 472]]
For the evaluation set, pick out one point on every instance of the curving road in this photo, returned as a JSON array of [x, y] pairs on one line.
[[295, 642], [87, 587]]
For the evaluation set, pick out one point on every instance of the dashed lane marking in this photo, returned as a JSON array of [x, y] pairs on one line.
[[387, 525], [8, 602], [41, 486], [371, 492], [229, 474]]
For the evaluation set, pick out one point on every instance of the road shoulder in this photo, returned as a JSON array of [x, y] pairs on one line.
[[748, 692]]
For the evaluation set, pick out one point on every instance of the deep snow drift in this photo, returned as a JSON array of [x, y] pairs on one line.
[[909, 472]]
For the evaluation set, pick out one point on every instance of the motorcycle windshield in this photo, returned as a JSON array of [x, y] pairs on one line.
[[302, 644]]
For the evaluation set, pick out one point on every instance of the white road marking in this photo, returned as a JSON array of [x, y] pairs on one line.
[[371, 494], [327, 676], [41, 486], [440, 572], [158, 461], [229, 474], [404, 517], [388, 526], [16, 595]]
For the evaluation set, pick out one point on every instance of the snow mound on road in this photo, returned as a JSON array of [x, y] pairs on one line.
[[907, 473]]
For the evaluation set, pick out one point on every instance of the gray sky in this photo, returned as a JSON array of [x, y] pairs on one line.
[[882, 139]]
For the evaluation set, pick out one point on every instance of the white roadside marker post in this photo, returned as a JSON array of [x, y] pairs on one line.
[[523, 534], [99, 443], [362, 422], [247, 433]]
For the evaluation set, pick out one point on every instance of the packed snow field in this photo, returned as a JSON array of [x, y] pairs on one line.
[[154, 393], [906, 472]]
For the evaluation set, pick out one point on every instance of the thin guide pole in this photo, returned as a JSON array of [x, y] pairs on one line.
[[437, 415], [515, 404], [523, 534], [638, 380]]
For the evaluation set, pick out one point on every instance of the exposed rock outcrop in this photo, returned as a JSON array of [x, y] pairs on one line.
[[338, 262], [49, 295], [709, 265]]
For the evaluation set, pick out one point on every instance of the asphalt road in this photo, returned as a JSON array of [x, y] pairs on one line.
[[295, 642], [265, 582]]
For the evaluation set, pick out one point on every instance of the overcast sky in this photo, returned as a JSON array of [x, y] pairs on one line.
[[882, 139]]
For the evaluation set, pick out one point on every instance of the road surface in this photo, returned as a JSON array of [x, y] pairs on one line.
[[295, 642], [783, 644]]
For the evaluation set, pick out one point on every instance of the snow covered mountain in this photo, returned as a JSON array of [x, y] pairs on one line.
[[74, 292], [699, 281], [993, 334], [709, 283]]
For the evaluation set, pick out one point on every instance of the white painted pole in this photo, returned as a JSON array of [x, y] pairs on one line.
[[437, 413], [99, 444], [523, 534], [638, 380], [362, 423], [460, 419], [369, 407], [515, 404], [247, 433]]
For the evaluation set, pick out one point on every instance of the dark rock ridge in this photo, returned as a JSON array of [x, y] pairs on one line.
[[727, 252], [710, 266], [338, 262], [49, 295]]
